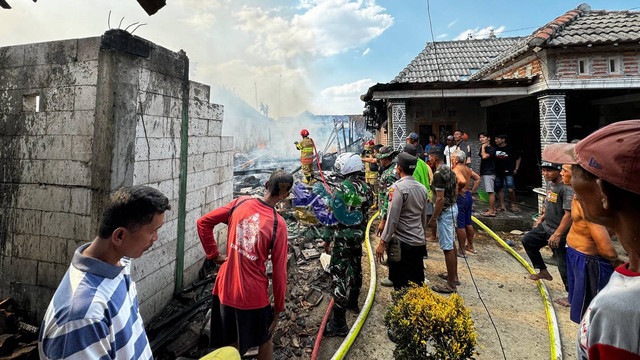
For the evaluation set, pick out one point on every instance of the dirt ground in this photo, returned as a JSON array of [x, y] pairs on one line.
[[512, 300]]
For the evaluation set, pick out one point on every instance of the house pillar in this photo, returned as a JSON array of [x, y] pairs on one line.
[[553, 125], [398, 124]]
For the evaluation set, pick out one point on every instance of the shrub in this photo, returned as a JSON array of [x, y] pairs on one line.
[[425, 325]]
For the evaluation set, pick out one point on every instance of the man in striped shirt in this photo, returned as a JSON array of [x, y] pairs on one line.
[[94, 312]]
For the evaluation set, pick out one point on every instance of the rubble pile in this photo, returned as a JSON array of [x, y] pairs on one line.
[[18, 340], [307, 285]]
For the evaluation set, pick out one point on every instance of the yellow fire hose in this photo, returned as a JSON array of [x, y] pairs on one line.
[[357, 325], [554, 334]]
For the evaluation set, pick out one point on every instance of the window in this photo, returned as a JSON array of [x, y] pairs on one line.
[[614, 66], [583, 67], [31, 103]]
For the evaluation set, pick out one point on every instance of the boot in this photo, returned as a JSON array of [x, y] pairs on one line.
[[352, 305], [338, 324]]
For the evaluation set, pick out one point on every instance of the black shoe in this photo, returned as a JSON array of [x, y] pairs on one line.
[[334, 329], [353, 307]]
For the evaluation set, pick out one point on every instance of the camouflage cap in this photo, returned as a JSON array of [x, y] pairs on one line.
[[384, 152]]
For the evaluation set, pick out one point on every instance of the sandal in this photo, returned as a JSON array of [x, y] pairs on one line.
[[488, 214], [443, 276], [443, 289]]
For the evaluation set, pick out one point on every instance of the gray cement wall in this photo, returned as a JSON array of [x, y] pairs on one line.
[[110, 115]]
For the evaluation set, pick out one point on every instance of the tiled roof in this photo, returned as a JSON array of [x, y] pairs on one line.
[[580, 26], [457, 60]]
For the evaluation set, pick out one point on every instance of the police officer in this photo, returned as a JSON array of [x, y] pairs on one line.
[[352, 198], [306, 155]]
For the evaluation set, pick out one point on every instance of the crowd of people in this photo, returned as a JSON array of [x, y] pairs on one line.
[[592, 191]]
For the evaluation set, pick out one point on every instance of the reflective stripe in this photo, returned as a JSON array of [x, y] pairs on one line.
[[306, 161]]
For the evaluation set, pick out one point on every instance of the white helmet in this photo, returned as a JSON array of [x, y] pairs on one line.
[[348, 163]]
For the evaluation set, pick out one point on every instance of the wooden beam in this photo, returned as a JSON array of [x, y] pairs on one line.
[[499, 100], [617, 99]]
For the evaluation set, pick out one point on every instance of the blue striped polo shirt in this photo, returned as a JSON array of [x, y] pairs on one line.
[[94, 314]]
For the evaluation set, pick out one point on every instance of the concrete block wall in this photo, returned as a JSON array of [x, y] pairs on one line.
[[87, 139], [45, 158]]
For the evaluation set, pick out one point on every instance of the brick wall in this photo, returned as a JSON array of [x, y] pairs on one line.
[[523, 70], [596, 64], [45, 159], [61, 163]]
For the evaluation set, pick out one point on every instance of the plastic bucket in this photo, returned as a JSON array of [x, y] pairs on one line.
[[484, 196]]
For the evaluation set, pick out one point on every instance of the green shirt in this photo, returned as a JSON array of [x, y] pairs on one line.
[[421, 174]]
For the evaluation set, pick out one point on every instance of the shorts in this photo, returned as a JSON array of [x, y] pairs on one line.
[[429, 208], [488, 181], [587, 275], [507, 180], [446, 227], [248, 327], [465, 204]]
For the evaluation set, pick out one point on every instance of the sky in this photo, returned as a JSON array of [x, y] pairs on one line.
[[292, 56]]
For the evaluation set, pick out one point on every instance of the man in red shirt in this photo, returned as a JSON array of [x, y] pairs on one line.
[[242, 315]]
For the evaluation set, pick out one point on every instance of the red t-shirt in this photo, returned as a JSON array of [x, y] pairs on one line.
[[242, 280]]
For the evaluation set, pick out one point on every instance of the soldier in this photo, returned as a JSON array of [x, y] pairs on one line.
[[351, 200], [388, 176], [371, 167], [306, 156]]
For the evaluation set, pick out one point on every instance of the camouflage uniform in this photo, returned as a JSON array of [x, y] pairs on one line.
[[306, 157], [387, 179], [345, 266]]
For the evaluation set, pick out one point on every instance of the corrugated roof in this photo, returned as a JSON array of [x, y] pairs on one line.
[[580, 26], [457, 60]]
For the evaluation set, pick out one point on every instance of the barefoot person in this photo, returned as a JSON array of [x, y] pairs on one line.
[[591, 257], [551, 227], [464, 228], [605, 178], [444, 213]]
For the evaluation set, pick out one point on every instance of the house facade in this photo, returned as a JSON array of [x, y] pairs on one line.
[[568, 78]]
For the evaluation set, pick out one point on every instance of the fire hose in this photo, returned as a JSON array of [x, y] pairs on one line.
[[357, 325], [554, 333]]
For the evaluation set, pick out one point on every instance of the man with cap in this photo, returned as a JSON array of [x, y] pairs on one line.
[[413, 139], [387, 177], [605, 171], [552, 226], [424, 176], [403, 237]]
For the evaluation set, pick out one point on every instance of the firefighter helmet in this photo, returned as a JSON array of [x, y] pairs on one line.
[[370, 143], [348, 163], [304, 132]]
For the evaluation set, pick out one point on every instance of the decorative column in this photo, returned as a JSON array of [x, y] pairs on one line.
[[553, 124], [399, 124]]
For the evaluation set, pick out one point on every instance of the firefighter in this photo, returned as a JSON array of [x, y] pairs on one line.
[[370, 167], [353, 197], [306, 156]]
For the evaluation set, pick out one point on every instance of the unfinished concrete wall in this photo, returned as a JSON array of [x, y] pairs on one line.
[[47, 104], [109, 115]]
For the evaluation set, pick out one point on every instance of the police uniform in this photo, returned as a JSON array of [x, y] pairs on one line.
[[306, 157]]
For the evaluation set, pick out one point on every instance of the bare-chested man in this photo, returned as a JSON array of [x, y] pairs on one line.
[[465, 202], [591, 257]]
